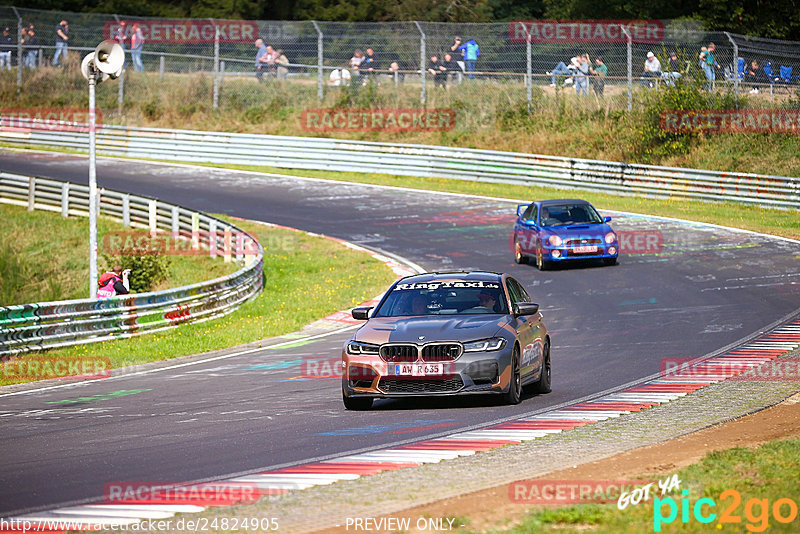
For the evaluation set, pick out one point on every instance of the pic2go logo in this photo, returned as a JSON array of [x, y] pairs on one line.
[[756, 511]]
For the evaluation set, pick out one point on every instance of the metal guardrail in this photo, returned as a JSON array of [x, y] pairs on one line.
[[419, 160], [30, 327]]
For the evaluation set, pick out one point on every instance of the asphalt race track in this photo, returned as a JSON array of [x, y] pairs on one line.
[[700, 290]]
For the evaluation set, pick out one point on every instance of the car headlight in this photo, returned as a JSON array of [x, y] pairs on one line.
[[611, 237], [485, 345], [356, 347], [555, 240]]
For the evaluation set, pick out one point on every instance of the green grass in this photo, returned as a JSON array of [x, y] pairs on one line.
[[305, 278], [768, 472], [45, 257]]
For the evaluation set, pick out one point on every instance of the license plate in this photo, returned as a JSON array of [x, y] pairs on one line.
[[419, 369], [585, 248]]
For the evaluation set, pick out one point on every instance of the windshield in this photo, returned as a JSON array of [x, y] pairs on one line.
[[450, 297], [564, 214]]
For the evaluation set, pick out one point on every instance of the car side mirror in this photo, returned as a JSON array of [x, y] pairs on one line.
[[361, 314], [606, 219], [525, 308]]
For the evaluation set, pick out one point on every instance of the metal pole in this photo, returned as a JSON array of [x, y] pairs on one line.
[[92, 191], [320, 50], [19, 47], [216, 64], [735, 66], [529, 68], [421, 62], [629, 40], [221, 72]]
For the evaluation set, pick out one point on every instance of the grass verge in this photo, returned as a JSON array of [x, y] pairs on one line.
[[39, 263], [744, 485], [305, 278]]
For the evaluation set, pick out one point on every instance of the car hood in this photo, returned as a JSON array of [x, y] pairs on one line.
[[575, 231], [432, 327]]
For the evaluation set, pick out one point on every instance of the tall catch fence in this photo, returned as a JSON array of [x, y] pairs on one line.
[[315, 58], [44, 325]]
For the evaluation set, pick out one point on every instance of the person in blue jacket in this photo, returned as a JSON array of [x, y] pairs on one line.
[[470, 51]]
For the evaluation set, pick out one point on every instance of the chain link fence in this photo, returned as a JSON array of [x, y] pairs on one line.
[[407, 64]]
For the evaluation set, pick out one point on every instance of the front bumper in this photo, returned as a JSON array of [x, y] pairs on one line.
[[566, 252], [471, 373]]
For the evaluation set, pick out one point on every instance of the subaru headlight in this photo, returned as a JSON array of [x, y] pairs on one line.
[[357, 347], [611, 237], [485, 345], [555, 240]]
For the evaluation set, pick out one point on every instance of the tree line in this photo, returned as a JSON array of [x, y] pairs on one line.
[[779, 19]]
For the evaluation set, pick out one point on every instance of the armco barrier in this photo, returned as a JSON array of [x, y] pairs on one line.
[[29, 327], [418, 160]]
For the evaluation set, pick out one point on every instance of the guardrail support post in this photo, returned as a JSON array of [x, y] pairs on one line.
[[126, 211], [65, 199], [175, 222], [421, 63], [31, 193], [153, 216], [195, 231], [161, 67], [226, 245], [629, 41], [212, 238], [320, 72]]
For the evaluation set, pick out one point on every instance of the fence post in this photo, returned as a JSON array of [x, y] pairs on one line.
[[629, 41], [65, 199], [528, 67], [221, 72], [320, 50], [120, 91], [216, 64], [212, 238], [421, 62], [735, 66], [153, 217], [31, 193], [161, 66], [195, 231], [19, 47], [126, 211]]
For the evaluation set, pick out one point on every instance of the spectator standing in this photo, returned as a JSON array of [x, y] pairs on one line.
[[470, 51], [121, 34], [582, 75], [599, 73], [652, 70], [355, 64], [62, 40], [710, 66], [394, 72], [280, 62], [31, 41], [6, 45], [262, 58], [137, 43]]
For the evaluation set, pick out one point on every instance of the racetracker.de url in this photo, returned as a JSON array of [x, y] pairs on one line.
[[200, 524]]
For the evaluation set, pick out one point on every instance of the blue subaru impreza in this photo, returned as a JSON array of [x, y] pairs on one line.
[[554, 231]]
